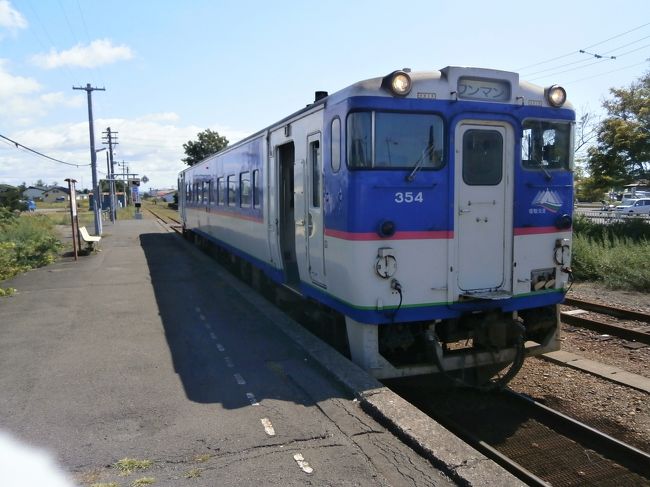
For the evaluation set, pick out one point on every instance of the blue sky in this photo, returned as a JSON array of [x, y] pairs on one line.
[[174, 68]]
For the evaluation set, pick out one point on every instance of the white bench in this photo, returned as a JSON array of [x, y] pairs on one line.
[[91, 240]]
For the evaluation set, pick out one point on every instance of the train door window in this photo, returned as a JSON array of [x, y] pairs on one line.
[[204, 192], [245, 189], [232, 190], [196, 192], [336, 145], [221, 191], [188, 192], [314, 156], [257, 193], [482, 157]]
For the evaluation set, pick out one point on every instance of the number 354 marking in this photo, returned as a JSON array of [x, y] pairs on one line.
[[409, 197]]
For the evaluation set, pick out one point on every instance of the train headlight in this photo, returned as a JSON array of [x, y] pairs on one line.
[[398, 83], [556, 96], [563, 222], [386, 229]]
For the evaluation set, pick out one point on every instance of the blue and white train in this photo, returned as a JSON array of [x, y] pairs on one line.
[[433, 210]]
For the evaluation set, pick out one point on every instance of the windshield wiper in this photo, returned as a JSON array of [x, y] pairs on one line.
[[426, 152], [547, 174]]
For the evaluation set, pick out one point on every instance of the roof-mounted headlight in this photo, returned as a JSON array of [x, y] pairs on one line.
[[556, 96], [398, 83]]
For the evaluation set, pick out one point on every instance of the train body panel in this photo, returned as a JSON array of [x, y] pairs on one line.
[[420, 209]]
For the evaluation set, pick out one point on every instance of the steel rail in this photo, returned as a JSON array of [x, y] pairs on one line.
[[608, 310], [606, 328], [493, 454], [626, 455]]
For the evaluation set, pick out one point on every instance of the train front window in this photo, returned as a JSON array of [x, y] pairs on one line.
[[386, 140], [546, 145]]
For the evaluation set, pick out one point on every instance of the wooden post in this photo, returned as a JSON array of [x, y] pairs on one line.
[[74, 218]]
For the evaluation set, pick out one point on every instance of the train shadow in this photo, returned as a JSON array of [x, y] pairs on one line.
[[223, 349]]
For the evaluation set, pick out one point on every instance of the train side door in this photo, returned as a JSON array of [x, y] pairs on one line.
[[314, 209], [484, 199]]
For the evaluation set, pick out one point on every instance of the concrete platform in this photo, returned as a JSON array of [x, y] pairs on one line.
[[149, 350]]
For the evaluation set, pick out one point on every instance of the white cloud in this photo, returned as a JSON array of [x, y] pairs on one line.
[[11, 85], [152, 145], [97, 53], [23, 101], [10, 17]]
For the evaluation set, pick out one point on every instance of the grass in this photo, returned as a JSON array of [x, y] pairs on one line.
[[194, 473], [26, 242], [127, 466], [616, 255], [143, 481]]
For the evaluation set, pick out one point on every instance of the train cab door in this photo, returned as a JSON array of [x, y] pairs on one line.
[[314, 209], [484, 165]]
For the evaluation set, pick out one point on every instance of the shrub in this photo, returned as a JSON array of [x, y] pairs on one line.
[[25, 243], [617, 262]]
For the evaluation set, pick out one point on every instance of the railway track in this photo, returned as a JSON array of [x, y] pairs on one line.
[[639, 334], [168, 221], [534, 442]]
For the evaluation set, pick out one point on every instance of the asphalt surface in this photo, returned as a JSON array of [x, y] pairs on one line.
[[149, 350]]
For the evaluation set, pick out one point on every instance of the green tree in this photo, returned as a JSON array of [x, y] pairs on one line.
[[622, 151], [10, 198], [207, 144]]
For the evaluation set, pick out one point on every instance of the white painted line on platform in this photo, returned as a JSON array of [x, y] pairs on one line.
[[213, 336], [302, 463], [207, 325], [240, 380], [268, 427], [252, 399], [202, 317], [229, 363], [198, 310], [220, 347]]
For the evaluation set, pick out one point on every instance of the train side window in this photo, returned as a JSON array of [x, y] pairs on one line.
[[314, 156], [232, 190], [336, 145], [257, 185], [221, 191], [211, 192], [359, 135], [245, 189]]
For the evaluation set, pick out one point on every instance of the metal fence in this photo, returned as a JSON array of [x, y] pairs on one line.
[[606, 217]]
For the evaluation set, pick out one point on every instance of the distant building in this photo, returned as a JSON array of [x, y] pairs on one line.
[[56, 194], [34, 193], [167, 195]]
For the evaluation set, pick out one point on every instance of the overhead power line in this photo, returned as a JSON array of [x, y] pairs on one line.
[[21, 146], [585, 49]]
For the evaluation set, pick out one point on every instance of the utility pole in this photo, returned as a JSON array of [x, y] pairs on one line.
[[110, 138], [97, 205]]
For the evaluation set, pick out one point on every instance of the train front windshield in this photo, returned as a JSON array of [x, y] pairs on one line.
[[399, 140], [546, 145]]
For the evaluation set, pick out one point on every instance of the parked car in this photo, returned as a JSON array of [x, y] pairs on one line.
[[638, 206]]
